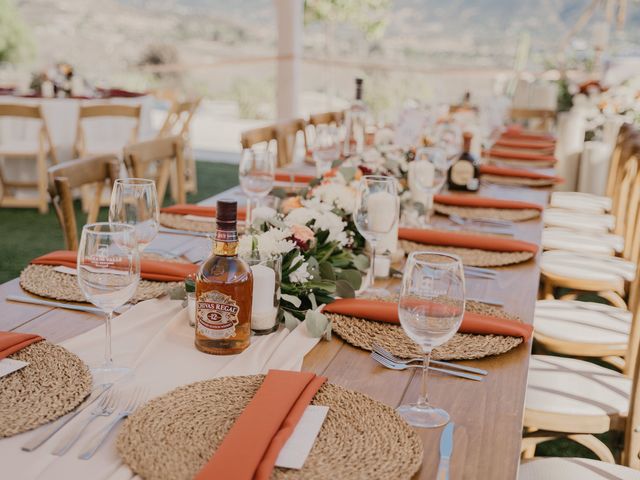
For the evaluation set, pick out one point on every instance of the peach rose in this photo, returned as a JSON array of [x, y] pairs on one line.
[[290, 203], [302, 233]]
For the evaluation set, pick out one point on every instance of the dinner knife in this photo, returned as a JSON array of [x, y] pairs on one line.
[[446, 449], [49, 430], [48, 303], [175, 231]]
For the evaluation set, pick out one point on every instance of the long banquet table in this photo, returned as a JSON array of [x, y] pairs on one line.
[[488, 415]]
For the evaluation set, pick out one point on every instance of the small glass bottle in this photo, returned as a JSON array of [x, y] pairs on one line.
[[355, 123], [464, 174], [224, 288]]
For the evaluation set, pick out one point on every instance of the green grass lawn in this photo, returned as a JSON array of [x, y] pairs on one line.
[[25, 234]]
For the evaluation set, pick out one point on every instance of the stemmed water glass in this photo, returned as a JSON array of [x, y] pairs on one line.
[[430, 308], [108, 274], [375, 215], [256, 173], [134, 201], [430, 173], [326, 148]]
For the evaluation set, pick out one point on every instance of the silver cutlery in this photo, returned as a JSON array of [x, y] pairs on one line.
[[446, 450], [48, 431], [403, 366], [175, 231], [380, 350], [478, 272], [457, 219], [105, 408], [48, 303], [129, 405]]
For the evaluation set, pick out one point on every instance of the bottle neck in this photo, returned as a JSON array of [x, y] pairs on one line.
[[358, 93], [226, 243]]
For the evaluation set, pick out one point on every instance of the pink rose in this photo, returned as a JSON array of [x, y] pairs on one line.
[[302, 235]]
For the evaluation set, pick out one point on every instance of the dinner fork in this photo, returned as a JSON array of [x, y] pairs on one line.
[[128, 406], [380, 350], [486, 221], [105, 408], [403, 366]]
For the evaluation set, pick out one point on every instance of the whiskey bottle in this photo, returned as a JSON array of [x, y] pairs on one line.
[[224, 289], [355, 123], [464, 174]]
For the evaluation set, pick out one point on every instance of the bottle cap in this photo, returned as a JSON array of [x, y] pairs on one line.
[[359, 82], [226, 214]]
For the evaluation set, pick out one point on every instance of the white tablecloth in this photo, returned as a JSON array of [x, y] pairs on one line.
[[153, 337]]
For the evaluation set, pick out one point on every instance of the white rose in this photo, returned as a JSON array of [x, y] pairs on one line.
[[300, 274]]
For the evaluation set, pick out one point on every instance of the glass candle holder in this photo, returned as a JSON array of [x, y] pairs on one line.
[[267, 276]]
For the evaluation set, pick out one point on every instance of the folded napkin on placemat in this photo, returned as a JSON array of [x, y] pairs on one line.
[[517, 132], [251, 447], [465, 240], [515, 155], [518, 173], [198, 210], [525, 144], [483, 202], [382, 311], [294, 177], [155, 270], [11, 342]]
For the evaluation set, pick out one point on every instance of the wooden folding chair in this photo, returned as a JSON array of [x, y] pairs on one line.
[[40, 151], [154, 159], [286, 134], [327, 118], [67, 176], [105, 110]]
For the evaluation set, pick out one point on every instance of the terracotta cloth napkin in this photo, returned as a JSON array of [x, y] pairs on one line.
[[11, 342], [527, 144], [199, 210], [465, 240], [517, 132], [156, 270], [517, 172], [294, 177], [483, 202], [251, 447], [382, 311], [524, 156]]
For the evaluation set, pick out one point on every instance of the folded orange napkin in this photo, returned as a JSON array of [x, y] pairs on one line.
[[294, 177], [527, 144], [524, 156], [382, 311], [251, 447], [517, 172], [483, 202], [11, 342], [516, 131], [465, 240], [199, 210], [156, 270]]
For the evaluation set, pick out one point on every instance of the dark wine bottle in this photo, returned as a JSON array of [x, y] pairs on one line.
[[464, 174]]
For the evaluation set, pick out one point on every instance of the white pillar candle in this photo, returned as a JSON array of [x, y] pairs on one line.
[[263, 312], [382, 208], [383, 266], [420, 176]]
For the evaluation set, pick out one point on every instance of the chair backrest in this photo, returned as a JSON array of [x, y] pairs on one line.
[[614, 163], [179, 118], [33, 112], [286, 134], [546, 118], [104, 111], [327, 118], [160, 153], [252, 137], [67, 176]]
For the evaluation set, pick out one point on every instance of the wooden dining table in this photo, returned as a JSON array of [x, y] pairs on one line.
[[487, 415]]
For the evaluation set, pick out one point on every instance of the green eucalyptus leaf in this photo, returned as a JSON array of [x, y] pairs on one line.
[[290, 322], [344, 289], [349, 173], [278, 192], [361, 262], [327, 272], [295, 301], [317, 323], [178, 293], [352, 276], [312, 299], [336, 163]]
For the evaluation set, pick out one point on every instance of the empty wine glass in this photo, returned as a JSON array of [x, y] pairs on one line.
[[108, 275], [448, 136], [430, 308], [375, 215], [429, 173], [134, 201], [257, 173], [326, 149]]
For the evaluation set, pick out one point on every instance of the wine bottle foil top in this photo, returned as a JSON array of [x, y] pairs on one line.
[[226, 214]]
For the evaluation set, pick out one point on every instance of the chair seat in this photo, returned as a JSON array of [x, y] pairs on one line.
[[587, 268], [571, 387], [590, 222], [555, 238], [585, 202], [566, 468], [582, 322]]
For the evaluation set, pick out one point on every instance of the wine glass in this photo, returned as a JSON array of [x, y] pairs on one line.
[[108, 275], [375, 215], [256, 173], [134, 201], [448, 136], [429, 174], [326, 149], [430, 308]]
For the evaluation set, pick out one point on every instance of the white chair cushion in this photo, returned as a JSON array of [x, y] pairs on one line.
[[587, 267], [591, 222], [558, 468], [586, 202], [555, 238], [568, 386], [582, 322]]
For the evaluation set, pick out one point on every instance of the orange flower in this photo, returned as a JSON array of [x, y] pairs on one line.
[[290, 203]]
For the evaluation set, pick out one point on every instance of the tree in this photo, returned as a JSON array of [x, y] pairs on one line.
[[16, 42], [367, 15]]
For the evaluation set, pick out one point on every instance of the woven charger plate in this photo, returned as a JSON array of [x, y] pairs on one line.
[[178, 222], [173, 436], [529, 182], [512, 214], [463, 346], [471, 256], [55, 382], [44, 281]]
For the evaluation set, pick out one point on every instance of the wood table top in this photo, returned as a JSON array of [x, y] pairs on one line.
[[487, 415]]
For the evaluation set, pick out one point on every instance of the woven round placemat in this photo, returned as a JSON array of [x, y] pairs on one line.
[[55, 382], [173, 436], [44, 281], [511, 214], [529, 182], [463, 346], [179, 222], [471, 256]]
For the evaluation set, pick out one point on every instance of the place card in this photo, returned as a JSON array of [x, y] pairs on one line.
[[295, 452], [199, 218], [9, 365]]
